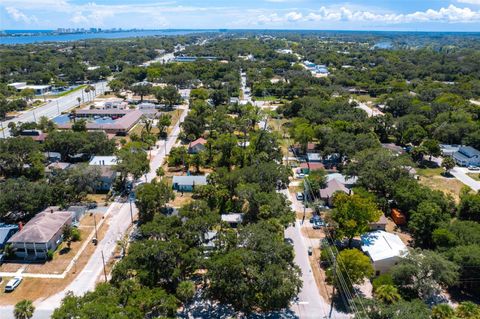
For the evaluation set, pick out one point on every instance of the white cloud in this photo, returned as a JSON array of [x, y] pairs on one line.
[[470, 1], [450, 14], [19, 16]]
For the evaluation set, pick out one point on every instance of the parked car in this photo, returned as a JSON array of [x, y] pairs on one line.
[[310, 250], [13, 283], [300, 196], [474, 168], [318, 224]]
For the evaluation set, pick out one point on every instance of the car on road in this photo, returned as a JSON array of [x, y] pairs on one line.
[[310, 250], [299, 196], [473, 168], [13, 283], [318, 224]]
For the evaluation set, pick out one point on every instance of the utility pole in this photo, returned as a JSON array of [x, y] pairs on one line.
[[104, 268], [58, 107], [3, 131], [334, 279], [34, 117], [95, 221]]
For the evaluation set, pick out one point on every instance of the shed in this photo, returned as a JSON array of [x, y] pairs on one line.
[[398, 217]]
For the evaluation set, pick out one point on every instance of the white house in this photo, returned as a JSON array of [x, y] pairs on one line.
[[384, 249]]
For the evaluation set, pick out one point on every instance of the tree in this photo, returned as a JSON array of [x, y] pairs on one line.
[[160, 172], [151, 198], [27, 94], [424, 221], [132, 160], [168, 95], [443, 311], [303, 134], [197, 161], [432, 147], [467, 310], [315, 181], [24, 309], [116, 85], [186, 291], [448, 163], [256, 272], [79, 126], [352, 215], [79, 99], [469, 208], [141, 90], [422, 274], [387, 294], [164, 121], [67, 234], [354, 265], [21, 156]]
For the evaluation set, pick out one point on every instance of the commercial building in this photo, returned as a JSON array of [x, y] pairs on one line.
[[38, 89]]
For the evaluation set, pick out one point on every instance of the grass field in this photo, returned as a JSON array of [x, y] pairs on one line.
[[475, 176], [69, 91]]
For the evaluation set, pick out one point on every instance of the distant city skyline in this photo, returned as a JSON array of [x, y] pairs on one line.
[[408, 15]]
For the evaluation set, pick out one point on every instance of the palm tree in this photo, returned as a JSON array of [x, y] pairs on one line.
[[24, 310], [387, 294], [79, 99], [442, 311]]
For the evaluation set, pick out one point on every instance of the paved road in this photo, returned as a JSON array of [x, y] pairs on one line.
[[370, 111], [55, 107], [460, 173], [119, 222]]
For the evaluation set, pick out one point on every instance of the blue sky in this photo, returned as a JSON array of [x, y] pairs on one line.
[[414, 15]]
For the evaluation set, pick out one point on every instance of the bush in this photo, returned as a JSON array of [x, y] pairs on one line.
[[76, 236], [385, 279], [50, 254]]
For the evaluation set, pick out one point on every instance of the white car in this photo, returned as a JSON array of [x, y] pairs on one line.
[[13, 283], [474, 168]]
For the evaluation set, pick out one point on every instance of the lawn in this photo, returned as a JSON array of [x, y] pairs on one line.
[[449, 186], [430, 172]]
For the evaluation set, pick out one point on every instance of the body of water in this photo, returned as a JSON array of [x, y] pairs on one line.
[[44, 36]]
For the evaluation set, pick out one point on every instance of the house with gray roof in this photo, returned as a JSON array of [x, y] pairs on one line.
[[467, 156], [188, 183], [333, 186], [42, 233]]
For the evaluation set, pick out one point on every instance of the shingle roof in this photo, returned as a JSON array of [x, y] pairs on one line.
[[5, 231], [333, 186], [42, 227], [200, 140]]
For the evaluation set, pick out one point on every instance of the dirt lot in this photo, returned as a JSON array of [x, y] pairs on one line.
[[449, 186], [393, 228]]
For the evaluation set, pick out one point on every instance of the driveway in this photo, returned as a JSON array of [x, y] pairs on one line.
[[460, 173]]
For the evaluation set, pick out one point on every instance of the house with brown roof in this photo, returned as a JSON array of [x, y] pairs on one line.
[[197, 146], [380, 224], [42, 233], [333, 186]]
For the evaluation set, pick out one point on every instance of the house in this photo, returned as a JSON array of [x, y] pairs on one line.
[[380, 224], [188, 183], [56, 166], [467, 156], [42, 233], [314, 157], [384, 249], [197, 146], [233, 219], [347, 181], [106, 165], [333, 186], [449, 149], [53, 156], [6, 231]]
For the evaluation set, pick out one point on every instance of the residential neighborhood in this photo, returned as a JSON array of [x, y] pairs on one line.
[[240, 174]]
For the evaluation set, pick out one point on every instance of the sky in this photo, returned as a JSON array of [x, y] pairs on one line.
[[389, 15]]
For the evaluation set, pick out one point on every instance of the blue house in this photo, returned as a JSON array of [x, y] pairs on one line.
[[188, 183], [467, 156], [6, 231]]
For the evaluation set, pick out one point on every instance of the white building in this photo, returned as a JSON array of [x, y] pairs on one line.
[[384, 249], [39, 89], [103, 161]]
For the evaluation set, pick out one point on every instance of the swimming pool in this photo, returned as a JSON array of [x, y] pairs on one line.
[[65, 119]]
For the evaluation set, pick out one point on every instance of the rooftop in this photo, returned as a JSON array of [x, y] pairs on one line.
[[190, 180], [103, 160], [333, 186], [381, 245], [42, 227], [232, 218]]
